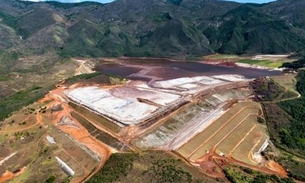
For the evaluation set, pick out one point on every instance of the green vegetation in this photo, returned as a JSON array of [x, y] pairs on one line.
[[295, 168], [148, 166], [276, 120], [266, 89], [250, 176], [264, 63], [165, 29], [82, 77], [5, 78], [116, 166], [222, 56], [23, 81], [234, 176], [166, 171], [294, 136], [288, 81], [115, 80], [50, 179], [8, 20], [67, 180], [158, 18], [285, 118], [7, 61], [285, 121], [20, 99], [71, 5], [246, 27], [295, 65], [96, 77]]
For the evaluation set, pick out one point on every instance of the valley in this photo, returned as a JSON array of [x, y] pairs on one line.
[[207, 118], [159, 91]]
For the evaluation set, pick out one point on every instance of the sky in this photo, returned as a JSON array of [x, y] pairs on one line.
[[107, 1]]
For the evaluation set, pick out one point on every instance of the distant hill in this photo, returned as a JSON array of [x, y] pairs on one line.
[[163, 28]]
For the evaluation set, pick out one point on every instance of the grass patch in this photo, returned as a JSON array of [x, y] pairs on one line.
[[295, 168], [269, 90], [148, 166], [116, 166], [83, 77], [5, 78], [97, 77], [293, 136], [20, 99], [288, 81], [285, 120], [263, 63], [222, 56], [246, 175]]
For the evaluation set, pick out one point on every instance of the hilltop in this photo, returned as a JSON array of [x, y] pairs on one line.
[[153, 28]]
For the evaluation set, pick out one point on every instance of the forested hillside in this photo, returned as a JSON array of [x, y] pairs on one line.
[[156, 28]]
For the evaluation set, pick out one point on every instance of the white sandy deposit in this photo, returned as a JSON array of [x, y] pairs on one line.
[[135, 102], [126, 110], [230, 77], [198, 83], [179, 82], [150, 94]]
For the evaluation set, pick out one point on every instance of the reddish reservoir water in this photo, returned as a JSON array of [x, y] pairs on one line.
[[166, 69]]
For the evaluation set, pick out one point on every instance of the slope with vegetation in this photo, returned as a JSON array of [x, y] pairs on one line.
[[35, 36], [172, 28], [148, 166], [294, 136], [238, 174], [36, 39], [285, 120]]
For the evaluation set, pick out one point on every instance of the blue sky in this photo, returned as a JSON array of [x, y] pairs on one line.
[[107, 1]]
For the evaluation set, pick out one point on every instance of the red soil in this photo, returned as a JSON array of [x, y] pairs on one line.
[[6, 176], [79, 134], [272, 165], [9, 175]]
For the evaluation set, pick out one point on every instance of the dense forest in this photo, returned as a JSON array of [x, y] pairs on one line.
[[295, 65]]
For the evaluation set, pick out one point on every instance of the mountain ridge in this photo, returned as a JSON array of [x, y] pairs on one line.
[[162, 28]]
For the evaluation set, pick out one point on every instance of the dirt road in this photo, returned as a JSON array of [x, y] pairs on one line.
[[80, 135]]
